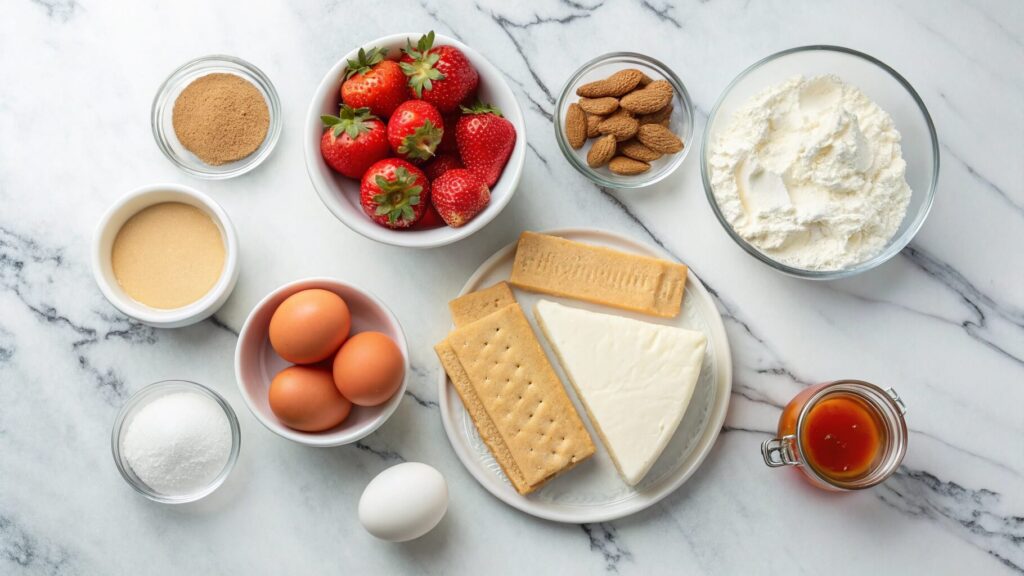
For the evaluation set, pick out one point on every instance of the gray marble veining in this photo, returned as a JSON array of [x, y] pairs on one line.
[[943, 322]]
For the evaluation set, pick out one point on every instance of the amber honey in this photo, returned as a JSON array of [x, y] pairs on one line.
[[843, 435]]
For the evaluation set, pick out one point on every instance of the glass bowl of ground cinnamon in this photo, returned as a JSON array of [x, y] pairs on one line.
[[217, 117]]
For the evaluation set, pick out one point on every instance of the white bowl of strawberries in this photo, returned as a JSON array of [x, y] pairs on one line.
[[415, 140]]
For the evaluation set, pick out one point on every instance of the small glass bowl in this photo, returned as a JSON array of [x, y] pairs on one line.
[[163, 107], [144, 397], [885, 87], [681, 121]]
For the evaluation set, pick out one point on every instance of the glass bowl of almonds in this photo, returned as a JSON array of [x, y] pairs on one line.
[[624, 120]]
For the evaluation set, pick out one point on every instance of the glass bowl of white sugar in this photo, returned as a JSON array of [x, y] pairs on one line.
[[820, 161], [175, 441]]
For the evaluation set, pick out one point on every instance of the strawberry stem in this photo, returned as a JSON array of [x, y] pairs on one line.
[[421, 71], [421, 144], [481, 108], [351, 121], [397, 196], [365, 61]]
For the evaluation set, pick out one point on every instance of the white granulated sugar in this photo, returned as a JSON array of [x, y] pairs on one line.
[[178, 443], [811, 173]]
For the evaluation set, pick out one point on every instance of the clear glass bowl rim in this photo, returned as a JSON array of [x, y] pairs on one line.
[[130, 405], [591, 174], [889, 251], [246, 164]]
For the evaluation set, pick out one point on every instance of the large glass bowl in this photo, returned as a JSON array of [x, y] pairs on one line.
[[880, 83]]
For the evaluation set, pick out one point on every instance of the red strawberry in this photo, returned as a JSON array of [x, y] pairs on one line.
[[353, 141], [441, 164], [415, 130], [374, 82], [459, 195], [394, 193], [442, 76], [431, 219], [485, 141], [448, 143]]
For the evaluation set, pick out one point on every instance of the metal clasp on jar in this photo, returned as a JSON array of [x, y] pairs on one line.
[[891, 392], [780, 451]]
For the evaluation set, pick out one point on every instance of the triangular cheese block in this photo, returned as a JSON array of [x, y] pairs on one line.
[[635, 378]]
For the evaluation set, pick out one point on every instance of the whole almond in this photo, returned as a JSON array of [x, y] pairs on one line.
[[615, 85], [601, 151], [600, 106], [649, 99], [622, 124], [656, 117], [575, 126], [625, 166], [658, 138], [637, 151], [592, 121]]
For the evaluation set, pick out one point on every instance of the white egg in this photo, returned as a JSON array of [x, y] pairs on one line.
[[404, 502]]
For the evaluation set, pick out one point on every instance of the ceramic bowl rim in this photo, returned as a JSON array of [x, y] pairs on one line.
[[326, 190], [175, 317], [328, 438]]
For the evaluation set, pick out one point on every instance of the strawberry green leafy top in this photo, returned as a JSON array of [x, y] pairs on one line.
[[397, 196], [422, 71], [365, 61], [481, 108], [351, 121]]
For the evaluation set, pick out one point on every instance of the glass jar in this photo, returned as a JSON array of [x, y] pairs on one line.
[[843, 435]]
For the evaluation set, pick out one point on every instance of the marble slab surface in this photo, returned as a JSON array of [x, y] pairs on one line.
[[943, 322]]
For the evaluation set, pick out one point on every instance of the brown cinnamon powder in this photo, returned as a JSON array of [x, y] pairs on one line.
[[221, 118]]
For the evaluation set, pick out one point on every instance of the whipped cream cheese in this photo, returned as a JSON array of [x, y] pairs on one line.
[[811, 173]]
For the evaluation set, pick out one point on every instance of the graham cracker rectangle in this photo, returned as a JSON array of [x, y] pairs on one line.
[[476, 305], [481, 419], [515, 398], [561, 267]]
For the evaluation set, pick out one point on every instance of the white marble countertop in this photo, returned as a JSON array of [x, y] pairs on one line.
[[943, 322]]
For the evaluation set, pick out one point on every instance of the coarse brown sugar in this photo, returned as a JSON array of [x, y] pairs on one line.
[[221, 118]]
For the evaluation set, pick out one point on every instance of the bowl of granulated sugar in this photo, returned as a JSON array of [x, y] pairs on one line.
[[216, 117], [175, 441]]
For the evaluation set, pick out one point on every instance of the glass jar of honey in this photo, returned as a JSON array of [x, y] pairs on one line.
[[843, 435]]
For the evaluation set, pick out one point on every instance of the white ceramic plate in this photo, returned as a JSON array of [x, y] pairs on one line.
[[593, 491]]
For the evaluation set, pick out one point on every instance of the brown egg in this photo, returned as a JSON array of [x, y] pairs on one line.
[[369, 368], [305, 398], [309, 326]]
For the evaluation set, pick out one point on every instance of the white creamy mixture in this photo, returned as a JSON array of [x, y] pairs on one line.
[[810, 172]]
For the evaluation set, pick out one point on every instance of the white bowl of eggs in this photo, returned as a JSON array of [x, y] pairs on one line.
[[321, 362]]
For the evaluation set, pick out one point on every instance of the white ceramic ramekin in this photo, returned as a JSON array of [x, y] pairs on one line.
[[129, 205]]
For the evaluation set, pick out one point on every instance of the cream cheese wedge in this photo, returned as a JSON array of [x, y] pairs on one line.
[[635, 378]]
